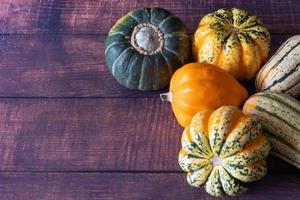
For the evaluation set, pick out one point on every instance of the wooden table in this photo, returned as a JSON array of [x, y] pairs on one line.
[[69, 131]]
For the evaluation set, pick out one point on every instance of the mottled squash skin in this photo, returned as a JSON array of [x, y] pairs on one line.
[[145, 47], [221, 148], [199, 86], [234, 41]]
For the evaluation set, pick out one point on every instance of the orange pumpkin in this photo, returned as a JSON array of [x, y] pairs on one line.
[[199, 86]]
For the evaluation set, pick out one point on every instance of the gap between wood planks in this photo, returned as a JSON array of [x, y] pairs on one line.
[[111, 186], [64, 66], [98, 16], [113, 171], [128, 172]]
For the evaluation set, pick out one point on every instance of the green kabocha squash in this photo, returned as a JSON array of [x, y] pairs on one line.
[[282, 72], [280, 117], [221, 149], [145, 47]]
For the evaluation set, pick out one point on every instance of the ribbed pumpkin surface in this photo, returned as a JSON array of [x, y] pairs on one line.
[[145, 47], [234, 41], [222, 148], [280, 117]]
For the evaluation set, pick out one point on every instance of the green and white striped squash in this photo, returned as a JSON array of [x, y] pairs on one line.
[[221, 149], [282, 72], [145, 47], [280, 117]]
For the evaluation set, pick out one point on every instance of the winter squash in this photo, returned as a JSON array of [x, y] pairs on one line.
[[280, 117], [282, 72], [199, 86], [221, 148], [234, 41], [145, 47]]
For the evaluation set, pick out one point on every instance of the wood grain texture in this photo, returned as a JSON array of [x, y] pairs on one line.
[[122, 145], [111, 186], [63, 66], [97, 16], [125, 134]]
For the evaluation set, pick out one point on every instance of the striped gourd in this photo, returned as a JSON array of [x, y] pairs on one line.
[[221, 149], [280, 117], [282, 72]]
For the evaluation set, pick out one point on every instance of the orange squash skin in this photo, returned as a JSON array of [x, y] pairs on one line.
[[199, 86]]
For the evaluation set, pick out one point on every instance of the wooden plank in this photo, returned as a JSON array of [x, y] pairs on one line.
[[97, 16], [89, 134], [57, 66], [111, 186], [63, 66]]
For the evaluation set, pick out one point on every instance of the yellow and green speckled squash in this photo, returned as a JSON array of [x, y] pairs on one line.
[[221, 149], [233, 40]]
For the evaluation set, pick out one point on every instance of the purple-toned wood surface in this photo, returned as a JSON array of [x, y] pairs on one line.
[[128, 186], [69, 131], [97, 16], [124, 134], [64, 66]]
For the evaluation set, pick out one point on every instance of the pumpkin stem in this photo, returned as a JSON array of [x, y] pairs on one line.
[[147, 39], [167, 96]]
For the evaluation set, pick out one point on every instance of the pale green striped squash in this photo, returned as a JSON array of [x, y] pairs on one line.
[[282, 72], [280, 117], [223, 148]]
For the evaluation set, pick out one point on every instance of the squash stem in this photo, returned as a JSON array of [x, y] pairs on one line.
[[167, 96], [215, 161]]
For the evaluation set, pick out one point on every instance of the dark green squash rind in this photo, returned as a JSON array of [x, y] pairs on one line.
[[153, 72], [124, 25], [141, 15]]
